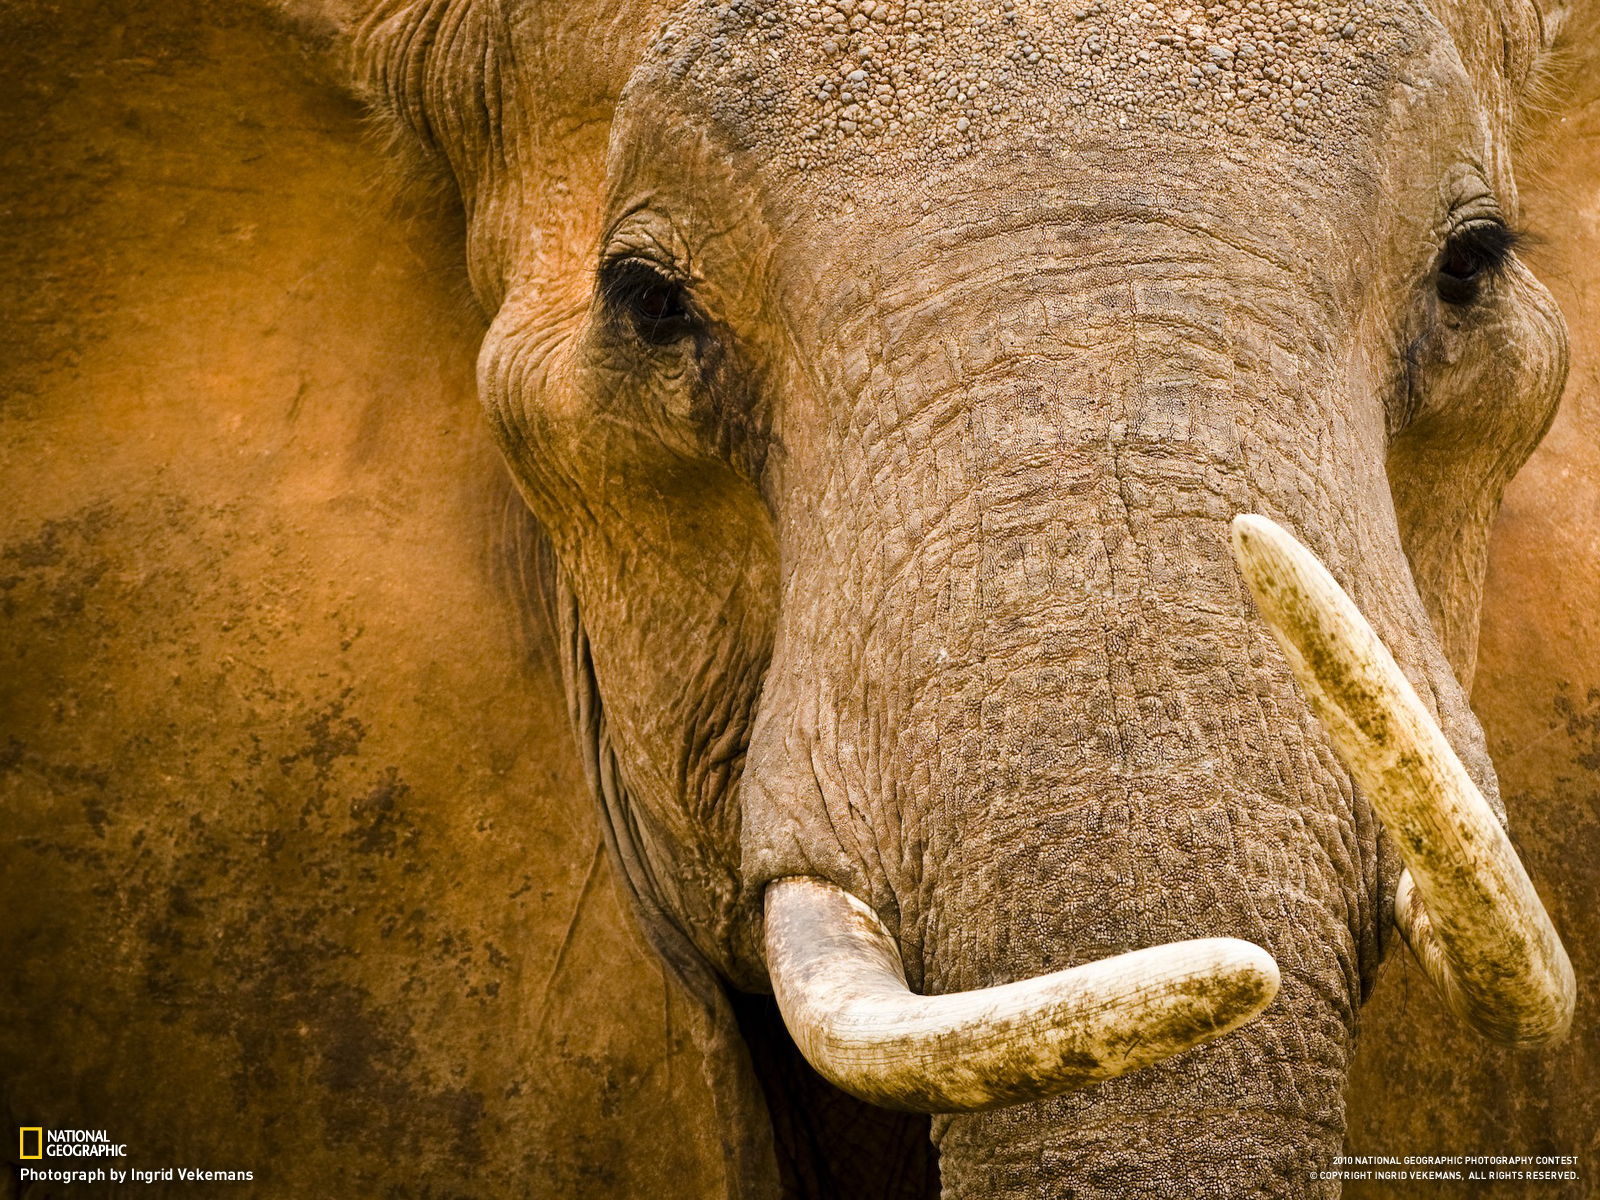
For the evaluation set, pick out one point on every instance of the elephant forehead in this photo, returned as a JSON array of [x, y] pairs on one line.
[[861, 82]]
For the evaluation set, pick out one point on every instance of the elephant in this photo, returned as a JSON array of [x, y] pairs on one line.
[[883, 393]]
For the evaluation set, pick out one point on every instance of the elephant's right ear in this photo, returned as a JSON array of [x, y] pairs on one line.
[[298, 876], [508, 102]]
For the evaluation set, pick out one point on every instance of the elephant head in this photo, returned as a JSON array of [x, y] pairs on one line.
[[886, 379]]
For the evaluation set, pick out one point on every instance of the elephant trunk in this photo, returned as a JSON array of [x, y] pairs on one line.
[[1023, 707], [1497, 960], [1194, 798]]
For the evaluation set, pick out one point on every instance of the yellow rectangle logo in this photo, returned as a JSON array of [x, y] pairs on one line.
[[38, 1142]]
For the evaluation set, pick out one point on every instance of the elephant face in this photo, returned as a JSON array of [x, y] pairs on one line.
[[886, 413]]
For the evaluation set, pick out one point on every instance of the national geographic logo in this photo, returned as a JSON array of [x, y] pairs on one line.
[[38, 1143]]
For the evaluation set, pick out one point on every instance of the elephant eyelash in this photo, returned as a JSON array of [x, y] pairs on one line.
[[1473, 254], [644, 299]]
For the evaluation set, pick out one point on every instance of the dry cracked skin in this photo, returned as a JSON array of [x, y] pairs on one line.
[[855, 84]]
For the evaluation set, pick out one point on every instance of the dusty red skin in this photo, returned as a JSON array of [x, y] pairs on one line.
[[299, 875]]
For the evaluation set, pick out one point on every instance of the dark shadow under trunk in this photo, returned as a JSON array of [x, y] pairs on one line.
[[830, 1145]]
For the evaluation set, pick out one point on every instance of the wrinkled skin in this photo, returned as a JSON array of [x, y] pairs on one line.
[[682, 856], [899, 559]]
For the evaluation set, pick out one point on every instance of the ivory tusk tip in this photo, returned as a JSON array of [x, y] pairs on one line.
[[1251, 969], [1241, 977], [1255, 538]]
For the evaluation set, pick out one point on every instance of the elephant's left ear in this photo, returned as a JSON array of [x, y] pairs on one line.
[[1532, 61], [1502, 44], [1561, 77]]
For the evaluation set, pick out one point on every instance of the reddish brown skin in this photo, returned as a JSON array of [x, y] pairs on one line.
[[299, 876]]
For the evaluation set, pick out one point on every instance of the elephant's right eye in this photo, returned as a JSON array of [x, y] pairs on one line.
[[644, 299], [1472, 254]]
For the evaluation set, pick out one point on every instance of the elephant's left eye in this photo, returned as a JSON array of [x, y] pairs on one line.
[[1473, 253], [655, 306]]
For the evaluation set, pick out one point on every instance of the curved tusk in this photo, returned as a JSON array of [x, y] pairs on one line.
[[842, 991], [1465, 905]]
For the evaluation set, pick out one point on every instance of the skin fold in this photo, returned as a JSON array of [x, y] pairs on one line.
[[873, 525]]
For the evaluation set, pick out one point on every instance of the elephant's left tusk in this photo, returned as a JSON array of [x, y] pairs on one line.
[[1465, 905]]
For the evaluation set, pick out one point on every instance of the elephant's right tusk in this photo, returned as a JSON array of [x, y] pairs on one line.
[[843, 993], [1465, 905]]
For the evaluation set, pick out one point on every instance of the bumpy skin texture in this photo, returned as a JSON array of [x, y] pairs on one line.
[[908, 567]]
